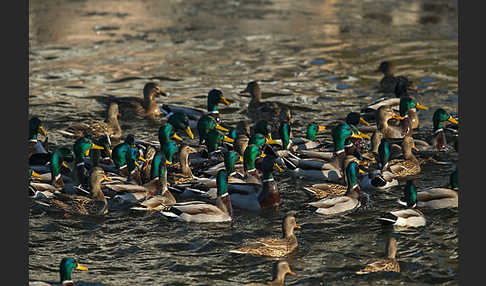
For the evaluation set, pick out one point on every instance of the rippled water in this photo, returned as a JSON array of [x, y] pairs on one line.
[[317, 56]]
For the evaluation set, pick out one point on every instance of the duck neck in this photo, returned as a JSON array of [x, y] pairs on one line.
[[212, 107], [96, 191], [184, 159], [223, 202], [270, 194], [112, 120], [391, 250], [382, 124], [353, 191], [256, 96]]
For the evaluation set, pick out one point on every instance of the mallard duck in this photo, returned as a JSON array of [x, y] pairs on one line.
[[384, 130], [133, 107], [97, 128], [123, 152], [241, 135], [267, 110], [437, 141], [438, 198], [81, 148], [274, 247], [410, 217], [294, 144], [280, 269], [215, 139], [200, 212], [401, 168], [34, 145], [215, 97], [349, 201], [97, 205], [389, 263], [205, 124], [182, 173], [389, 82], [66, 267], [180, 122], [408, 110], [259, 195]]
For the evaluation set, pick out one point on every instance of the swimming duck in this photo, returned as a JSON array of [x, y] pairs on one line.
[[384, 130], [389, 82], [401, 168], [132, 107], [410, 217], [389, 263], [97, 205], [215, 97], [81, 148], [274, 247], [280, 269], [348, 202], [200, 212], [97, 128], [437, 141], [34, 145], [438, 198], [180, 122], [205, 124], [241, 135], [214, 140], [408, 110], [120, 155], [182, 173], [66, 267]]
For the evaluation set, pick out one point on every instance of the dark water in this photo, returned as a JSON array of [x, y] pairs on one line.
[[317, 56]]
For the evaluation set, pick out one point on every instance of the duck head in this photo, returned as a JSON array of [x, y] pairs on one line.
[[354, 118], [36, 127], [440, 116], [312, 130], [215, 96], [180, 122], [407, 103], [82, 147], [66, 267]]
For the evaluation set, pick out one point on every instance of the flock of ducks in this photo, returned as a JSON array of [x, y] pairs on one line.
[[233, 166]]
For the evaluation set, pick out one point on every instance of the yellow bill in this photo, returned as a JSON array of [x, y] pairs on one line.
[[175, 136], [452, 120], [361, 171], [94, 146], [278, 167], [142, 159], [168, 162], [189, 132], [396, 116], [227, 139], [64, 164], [271, 141], [107, 179], [81, 267], [137, 164], [42, 130], [221, 128], [321, 128], [291, 273], [364, 136], [420, 106], [241, 159], [361, 119], [225, 100], [415, 148], [35, 174], [298, 226]]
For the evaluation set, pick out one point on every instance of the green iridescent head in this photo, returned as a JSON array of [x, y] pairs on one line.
[[249, 156], [166, 132], [131, 157], [410, 194], [267, 166], [158, 167], [407, 103], [312, 130], [440, 116], [35, 127], [66, 267], [339, 135], [215, 96], [169, 149], [222, 182], [352, 174], [284, 133], [354, 118], [233, 134], [384, 153], [81, 148], [453, 180], [230, 159], [261, 127], [59, 156], [180, 122], [257, 139], [204, 125]]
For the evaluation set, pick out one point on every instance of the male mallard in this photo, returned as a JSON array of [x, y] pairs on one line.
[[389, 82], [349, 201], [200, 212], [180, 122], [280, 269], [35, 146], [274, 247], [298, 143], [410, 217], [215, 139], [81, 148], [437, 141], [122, 152], [438, 198], [389, 263], [97, 205], [205, 124], [97, 128], [132, 107], [408, 110], [66, 267], [215, 97]]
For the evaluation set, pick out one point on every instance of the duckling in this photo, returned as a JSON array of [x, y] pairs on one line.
[[389, 263], [389, 82], [34, 145], [280, 269], [133, 107], [438, 198], [348, 202], [96, 128], [410, 217], [200, 212], [66, 267], [81, 205], [274, 247]]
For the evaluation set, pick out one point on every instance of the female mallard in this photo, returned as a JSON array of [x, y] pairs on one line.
[[401, 168], [97, 205], [200, 212], [215, 97], [389, 263], [410, 217], [181, 173], [133, 107], [389, 82], [274, 247], [384, 130], [96, 128], [438, 198], [437, 141], [280, 269], [241, 135], [349, 201], [66, 267], [35, 146]]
